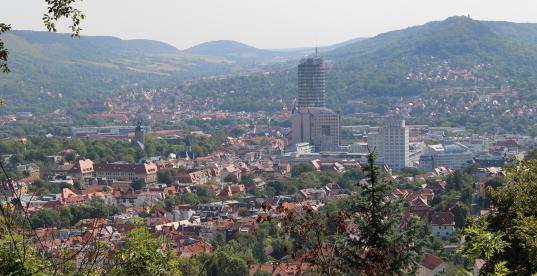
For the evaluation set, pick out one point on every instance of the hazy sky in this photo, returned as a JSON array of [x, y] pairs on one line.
[[263, 23]]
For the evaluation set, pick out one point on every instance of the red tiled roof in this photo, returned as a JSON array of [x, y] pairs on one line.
[[82, 166], [430, 261], [419, 201], [442, 218], [437, 185], [281, 268], [198, 247]]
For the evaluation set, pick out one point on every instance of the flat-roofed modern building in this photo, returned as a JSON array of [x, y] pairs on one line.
[[146, 171], [318, 126], [391, 143], [107, 131], [454, 156]]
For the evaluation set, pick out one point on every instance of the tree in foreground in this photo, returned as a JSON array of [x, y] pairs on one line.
[[370, 236], [17, 258], [507, 238], [145, 255], [378, 240]]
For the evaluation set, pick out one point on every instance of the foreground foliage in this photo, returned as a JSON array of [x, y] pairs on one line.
[[506, 239], [367, 236], [145, 255]]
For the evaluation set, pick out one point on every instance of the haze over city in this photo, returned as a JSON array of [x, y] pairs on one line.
[[268, 138], [263, 24]]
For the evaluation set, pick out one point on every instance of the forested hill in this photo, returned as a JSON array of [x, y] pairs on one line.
[[48, 70], [240, 52], [456, 52], [91, 47]]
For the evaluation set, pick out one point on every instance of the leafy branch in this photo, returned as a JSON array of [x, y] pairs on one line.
[[63, 8], [4, 54], [56, 10]]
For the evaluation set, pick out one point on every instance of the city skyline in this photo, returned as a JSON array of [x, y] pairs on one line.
[[397, 154]]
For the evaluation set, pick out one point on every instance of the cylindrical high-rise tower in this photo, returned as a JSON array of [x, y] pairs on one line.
[[311, 82]]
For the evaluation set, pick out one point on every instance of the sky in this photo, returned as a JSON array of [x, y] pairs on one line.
[[266, 24]]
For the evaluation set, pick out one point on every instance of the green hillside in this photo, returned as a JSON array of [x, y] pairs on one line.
[[50, 70], [240, 53], [457, 52]]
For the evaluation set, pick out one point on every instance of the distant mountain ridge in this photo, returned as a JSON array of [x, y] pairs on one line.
[[240, 52], [49, 70], [94, 44], [487, 51], [234, 49], [321, 49], [222, 47], [432, 38], [456, 52]]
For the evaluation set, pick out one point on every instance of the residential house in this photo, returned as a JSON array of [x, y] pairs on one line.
[[68, 197], [312, 194], [21, 186], [200, 177], [230, 190], [443, 224], [442, 171], [30, 169], [438, 186], [431, 265], [194, 248], [139, 199], [420, 208], [425, 193], [82, 170]]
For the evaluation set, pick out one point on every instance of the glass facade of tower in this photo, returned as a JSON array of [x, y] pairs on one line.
[[311, 82]]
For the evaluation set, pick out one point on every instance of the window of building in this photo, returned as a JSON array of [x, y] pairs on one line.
[[325, 130]]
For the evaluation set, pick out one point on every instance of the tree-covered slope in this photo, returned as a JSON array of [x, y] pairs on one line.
[[49, 70], [457, 52], [238, 52]]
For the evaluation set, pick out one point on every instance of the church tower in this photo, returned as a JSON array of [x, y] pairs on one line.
[[139, 134]]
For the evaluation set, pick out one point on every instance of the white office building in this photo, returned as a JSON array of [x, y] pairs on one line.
[[454, 156], [391, 143]]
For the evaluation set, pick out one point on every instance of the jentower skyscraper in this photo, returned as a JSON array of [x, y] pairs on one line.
[[311, 82], [312, 122]]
